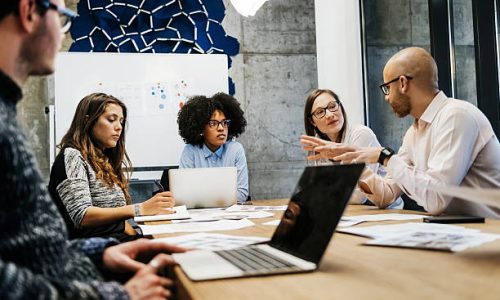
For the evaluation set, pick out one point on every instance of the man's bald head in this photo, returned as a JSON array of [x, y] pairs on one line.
[[416, 63]]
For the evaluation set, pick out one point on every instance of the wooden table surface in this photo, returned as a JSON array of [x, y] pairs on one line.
[[350, 270]]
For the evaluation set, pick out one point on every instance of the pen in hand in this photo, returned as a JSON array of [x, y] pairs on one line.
[[158, 184], [161, 189]]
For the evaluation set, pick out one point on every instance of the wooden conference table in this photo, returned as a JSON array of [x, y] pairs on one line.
[[350, 270]]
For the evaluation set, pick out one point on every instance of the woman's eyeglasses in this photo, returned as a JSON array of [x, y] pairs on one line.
[[320, 112], [215, 123]]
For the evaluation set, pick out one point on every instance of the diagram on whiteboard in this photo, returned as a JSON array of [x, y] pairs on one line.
[[150, 98], [180, 93]]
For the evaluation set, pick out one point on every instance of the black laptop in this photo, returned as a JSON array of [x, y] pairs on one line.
[[299, 241]]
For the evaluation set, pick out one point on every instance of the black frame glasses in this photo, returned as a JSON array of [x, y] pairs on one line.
[[215, 123], [66, 15], [320, 112], [384, 87]]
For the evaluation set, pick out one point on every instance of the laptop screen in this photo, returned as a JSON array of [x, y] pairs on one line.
[[315, 209]]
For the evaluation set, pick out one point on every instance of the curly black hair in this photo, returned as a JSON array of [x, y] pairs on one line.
[[196, 113]]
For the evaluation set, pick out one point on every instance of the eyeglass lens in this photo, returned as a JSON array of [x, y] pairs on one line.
[[321, 112], [385, 89], [215, 123]]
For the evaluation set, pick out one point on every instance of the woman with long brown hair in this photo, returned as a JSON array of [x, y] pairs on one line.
[[325, 122], [88, 180]]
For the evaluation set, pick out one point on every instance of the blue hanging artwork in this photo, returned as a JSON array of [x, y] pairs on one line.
[[153, 26]]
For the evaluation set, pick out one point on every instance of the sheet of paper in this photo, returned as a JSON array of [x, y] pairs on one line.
[[196, 226], [272, 223], [180, 213], [445, 241], [256, 207], [211, 241], [344, 222], [485, 196], [353, 220], [205, 215], [381, 231]]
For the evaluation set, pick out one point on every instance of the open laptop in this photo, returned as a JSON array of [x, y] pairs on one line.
[[203, 187], [301, 238]]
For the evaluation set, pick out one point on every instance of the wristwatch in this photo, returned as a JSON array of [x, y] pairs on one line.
[[385, 153], [137, 210]]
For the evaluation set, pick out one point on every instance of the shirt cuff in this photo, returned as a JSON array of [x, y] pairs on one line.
[[94, 249], [395, 166]]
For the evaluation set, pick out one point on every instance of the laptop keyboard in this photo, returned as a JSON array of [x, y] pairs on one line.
[[253, 260]]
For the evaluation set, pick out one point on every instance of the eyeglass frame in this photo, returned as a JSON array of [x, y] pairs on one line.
[[63, 11], [224, 123], [313, 114], [385, 86]]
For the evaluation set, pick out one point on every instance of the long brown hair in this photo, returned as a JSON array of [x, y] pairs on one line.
[[308, 122], [109, 164]]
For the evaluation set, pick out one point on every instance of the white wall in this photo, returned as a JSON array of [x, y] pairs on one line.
[[339, 55]]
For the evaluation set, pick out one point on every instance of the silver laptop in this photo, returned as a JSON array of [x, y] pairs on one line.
[[203, 187], [300, 239]]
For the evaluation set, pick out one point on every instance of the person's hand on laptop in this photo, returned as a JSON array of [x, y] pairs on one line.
[[144, 258], [132, 256], [146, 284], [160, 203]]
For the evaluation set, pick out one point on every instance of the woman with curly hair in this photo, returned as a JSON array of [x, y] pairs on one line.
[[88, 181], [209, 126]]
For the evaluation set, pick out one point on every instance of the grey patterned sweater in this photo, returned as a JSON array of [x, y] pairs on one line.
[[36, 259], [74, 187]]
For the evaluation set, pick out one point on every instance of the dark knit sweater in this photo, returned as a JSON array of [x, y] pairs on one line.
[[36, 259]]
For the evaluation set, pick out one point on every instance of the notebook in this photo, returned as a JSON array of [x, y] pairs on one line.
[[299, 241], [204, 187]]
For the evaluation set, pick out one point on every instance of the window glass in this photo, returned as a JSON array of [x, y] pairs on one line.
[[390, 25]]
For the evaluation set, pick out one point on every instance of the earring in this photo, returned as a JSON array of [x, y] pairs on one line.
[[201, 134]]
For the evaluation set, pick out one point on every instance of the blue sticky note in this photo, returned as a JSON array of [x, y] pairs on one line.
[[216, 9], [81, 46], [189, 6], [164, 46], [166, 12], [184, 26], [124, 13], [127, 47]]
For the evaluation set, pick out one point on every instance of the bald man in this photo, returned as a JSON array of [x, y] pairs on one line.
[[451, 142]]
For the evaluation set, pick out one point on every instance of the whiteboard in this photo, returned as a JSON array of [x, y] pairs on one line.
[[152, 86]]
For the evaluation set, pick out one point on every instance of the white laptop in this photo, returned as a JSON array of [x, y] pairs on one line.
[[203, 187], [300, 239]]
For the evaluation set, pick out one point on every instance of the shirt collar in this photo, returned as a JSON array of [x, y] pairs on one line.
[[207, 152], [9, 89], [434, 107]]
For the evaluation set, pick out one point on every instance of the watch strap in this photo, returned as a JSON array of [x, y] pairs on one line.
[[385, 153], [137, 210]]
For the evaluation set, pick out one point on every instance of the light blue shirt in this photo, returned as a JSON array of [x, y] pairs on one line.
[[231, 154]]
